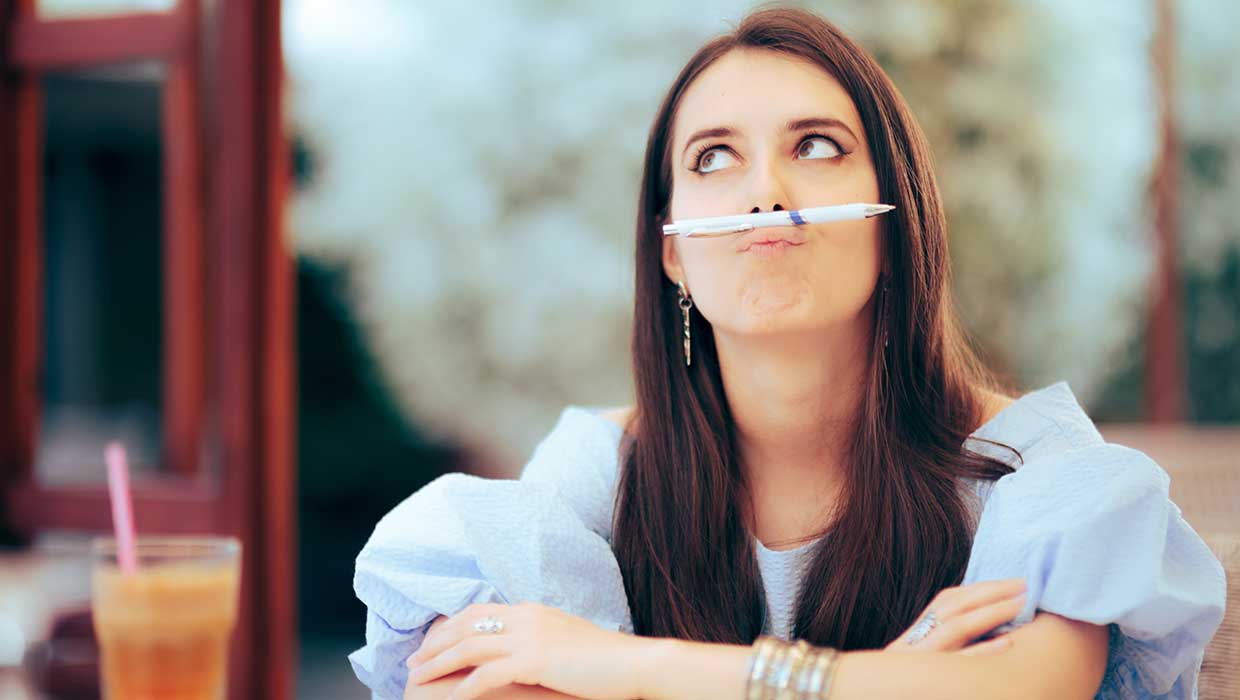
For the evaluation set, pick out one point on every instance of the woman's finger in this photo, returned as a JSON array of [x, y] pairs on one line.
[[452, 631], [471, 652], [416, 658], [976, 595], [990, 646], [955, 632], [488, 677]]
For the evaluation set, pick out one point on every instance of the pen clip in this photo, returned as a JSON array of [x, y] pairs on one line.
[[719, 230]]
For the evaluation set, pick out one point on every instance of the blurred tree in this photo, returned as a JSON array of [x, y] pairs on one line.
[[1209, 100], [357, 456]]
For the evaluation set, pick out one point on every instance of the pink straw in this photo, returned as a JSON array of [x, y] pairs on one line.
[[122, 507]]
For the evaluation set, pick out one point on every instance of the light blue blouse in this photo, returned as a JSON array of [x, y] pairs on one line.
[[1087, 523]]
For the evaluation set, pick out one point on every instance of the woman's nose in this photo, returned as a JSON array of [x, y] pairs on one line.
[[768, 190]]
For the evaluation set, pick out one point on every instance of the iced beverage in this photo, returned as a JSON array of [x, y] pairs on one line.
[[163, 631]]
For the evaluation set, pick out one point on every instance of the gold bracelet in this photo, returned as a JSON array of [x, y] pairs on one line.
[[831, 664], [779, 680], [778, 662], [805, 678], [764, 649], [785, 688], [820, 674], [780, 670], [813, 679]]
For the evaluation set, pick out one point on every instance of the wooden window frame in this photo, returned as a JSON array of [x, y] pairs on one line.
[[38, 46]]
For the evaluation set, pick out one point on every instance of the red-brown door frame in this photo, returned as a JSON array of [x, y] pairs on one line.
[[1166, 388], [228, 352], [245, 197]]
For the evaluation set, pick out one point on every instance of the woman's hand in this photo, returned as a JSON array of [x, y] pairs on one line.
[[539, 645], [965, 613]]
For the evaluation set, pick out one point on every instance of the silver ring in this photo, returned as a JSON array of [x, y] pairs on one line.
[[923, 627], [489, 624]]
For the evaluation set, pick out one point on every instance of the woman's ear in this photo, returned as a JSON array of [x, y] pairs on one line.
[[671, 260]]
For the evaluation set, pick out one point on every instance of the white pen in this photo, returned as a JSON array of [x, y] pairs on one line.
[[727, 225]]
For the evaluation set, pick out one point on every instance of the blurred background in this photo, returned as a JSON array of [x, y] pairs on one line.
[[303, 257]]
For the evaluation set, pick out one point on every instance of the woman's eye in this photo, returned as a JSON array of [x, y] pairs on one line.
[[818, 147], [714, 159]]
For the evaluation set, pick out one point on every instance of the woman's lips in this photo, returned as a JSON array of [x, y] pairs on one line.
[[770, 240], [770, 246]]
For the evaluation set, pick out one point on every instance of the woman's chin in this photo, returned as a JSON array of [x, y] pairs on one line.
[[773, 305], [776, 318]]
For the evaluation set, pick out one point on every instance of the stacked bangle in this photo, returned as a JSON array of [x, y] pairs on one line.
[[780, 670]]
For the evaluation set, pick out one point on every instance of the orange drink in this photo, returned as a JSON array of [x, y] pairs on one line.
[[163, 630]]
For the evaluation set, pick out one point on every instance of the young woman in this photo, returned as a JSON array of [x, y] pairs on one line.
[[814, 454]]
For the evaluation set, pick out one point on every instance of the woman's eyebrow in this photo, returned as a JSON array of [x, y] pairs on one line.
[[793, 125], [712, 133], [820, 123]]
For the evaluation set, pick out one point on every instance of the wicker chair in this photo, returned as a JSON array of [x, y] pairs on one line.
[[1204, 465]]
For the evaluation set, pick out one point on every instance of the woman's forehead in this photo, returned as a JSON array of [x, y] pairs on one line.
[[757, 90]]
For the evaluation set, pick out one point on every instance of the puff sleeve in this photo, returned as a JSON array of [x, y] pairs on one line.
[[1097, 539], [580, 459], [463, 539]]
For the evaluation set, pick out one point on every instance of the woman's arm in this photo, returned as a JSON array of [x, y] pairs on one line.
[[1051, 657]]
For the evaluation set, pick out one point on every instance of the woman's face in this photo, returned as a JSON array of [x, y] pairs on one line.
[[787, 136]]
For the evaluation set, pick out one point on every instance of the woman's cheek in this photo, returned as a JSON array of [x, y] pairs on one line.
[[713, 294]]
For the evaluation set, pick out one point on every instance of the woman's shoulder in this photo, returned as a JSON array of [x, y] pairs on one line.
[[1060, 460], [591, 427], [993, 403], [578, 422], [1040, 423], [621, 417]]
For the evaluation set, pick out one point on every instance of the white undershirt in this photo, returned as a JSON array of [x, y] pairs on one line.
[[782, 574]]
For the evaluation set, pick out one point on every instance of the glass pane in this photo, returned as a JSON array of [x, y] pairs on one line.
[[102, 322], [63, 9]]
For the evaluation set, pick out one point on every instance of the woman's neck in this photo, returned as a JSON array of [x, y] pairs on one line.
[[794, 401]]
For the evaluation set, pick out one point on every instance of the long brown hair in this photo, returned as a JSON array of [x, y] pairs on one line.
[[902, 530]]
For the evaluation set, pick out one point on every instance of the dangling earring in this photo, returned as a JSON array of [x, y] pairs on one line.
[[686, 303], [886, 329]]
